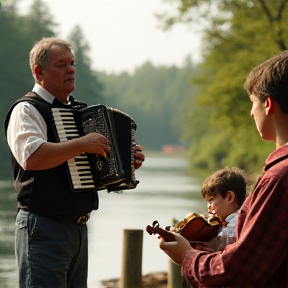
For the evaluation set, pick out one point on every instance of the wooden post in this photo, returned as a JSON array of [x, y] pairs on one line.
[[131, 270], [175, 279]]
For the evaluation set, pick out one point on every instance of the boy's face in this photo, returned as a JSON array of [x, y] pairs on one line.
[[218, 205], [263, 123]]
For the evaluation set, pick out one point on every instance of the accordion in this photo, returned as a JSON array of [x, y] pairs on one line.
[[92, 171]]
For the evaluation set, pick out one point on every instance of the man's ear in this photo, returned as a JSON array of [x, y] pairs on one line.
[[268, 105], [38, 71], [231, 197]]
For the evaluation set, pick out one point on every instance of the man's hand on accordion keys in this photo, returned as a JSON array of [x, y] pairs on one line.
[[96, 143], [139, 156]]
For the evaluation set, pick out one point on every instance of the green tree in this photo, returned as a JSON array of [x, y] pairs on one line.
[[238, 35], [17, 34], [14, 73], [152, 96], [88, 87], [39, 21]]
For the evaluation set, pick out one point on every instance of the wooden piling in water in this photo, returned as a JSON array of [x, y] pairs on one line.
[[131, 269], [175, 279]]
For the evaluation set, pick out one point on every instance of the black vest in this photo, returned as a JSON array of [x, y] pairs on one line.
[[48, 192]]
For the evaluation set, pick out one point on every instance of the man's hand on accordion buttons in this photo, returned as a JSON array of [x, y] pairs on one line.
[[96, 143], [139, 157]]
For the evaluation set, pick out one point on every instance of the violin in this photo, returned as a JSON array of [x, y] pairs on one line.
[[194, 227]]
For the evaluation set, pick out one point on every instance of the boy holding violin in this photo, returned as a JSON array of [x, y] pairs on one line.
[[259, 257], [225, 191]]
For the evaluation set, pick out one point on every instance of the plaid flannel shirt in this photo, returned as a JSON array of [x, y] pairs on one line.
[[259, 256]]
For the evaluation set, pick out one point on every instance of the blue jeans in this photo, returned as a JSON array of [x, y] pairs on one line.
[[50, 253]]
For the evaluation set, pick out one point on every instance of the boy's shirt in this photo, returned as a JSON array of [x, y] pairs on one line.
[[226, 235]]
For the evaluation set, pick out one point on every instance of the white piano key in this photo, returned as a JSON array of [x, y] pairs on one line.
[[79, 167], [82, 182], [67, 132], [66, 125], [83, 187], [76, 174], [61, 118]]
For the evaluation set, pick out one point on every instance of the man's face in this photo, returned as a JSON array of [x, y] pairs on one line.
[[262, 121], [59, 75]]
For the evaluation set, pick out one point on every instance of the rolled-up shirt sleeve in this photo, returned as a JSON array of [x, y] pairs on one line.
[[26, 132]]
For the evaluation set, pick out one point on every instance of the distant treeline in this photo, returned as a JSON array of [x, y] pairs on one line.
[[153, 97], [202, 107]]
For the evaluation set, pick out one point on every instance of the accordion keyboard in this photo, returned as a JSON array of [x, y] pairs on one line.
[[79, 168]]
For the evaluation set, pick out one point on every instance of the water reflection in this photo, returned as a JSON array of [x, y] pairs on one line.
[[165, 192], [7, 218]]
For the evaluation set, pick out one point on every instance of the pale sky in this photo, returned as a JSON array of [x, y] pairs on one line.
[[123, 34]]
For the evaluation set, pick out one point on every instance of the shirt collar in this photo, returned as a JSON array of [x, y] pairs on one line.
[[43, 93], [231, 217], [276, 156]]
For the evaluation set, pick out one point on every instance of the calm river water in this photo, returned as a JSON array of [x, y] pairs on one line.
[[165, 192]]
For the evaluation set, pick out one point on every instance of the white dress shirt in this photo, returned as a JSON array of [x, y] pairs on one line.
[[228, 234], [27, 129]]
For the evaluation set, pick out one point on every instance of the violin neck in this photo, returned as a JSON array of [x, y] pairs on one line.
[[166, 235]]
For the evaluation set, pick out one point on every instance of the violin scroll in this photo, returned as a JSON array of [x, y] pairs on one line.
[[155, 229]]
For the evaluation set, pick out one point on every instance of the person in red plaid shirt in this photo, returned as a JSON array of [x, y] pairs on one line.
[[259, 257]]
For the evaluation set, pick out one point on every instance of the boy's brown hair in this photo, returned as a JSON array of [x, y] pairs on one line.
[[270, 78], [227, 179]]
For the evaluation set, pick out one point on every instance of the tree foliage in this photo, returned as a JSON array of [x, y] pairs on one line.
[[152, 96], [88, 88], [18, 34], [237, 36], [202, 106]]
